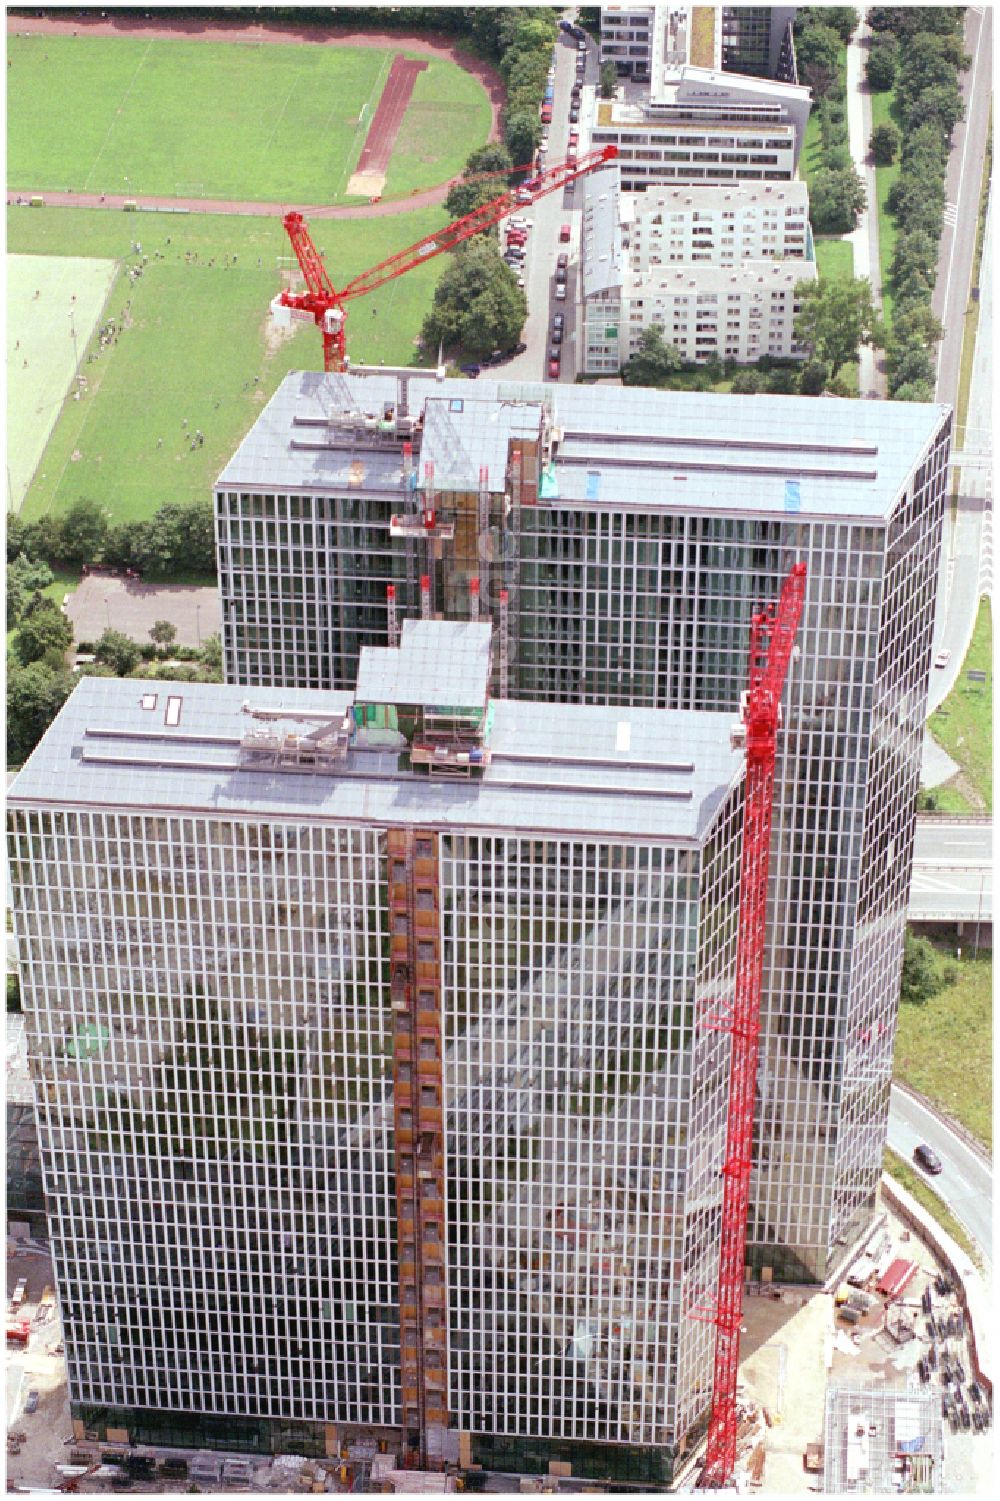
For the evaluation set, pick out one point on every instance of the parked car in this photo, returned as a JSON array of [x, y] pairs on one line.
[[574, 115], [925, 1157], [581, 46], [518, 221], [564, 234], [522, 196], [557, 331], [560, 291], [943, 658], [555, 353], [553, 369], [558, 321], [574, 137], [562, 261], [546, 114], [31, 1402], [517, 237]]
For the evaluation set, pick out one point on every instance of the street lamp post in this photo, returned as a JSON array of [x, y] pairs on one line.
[[107, 607]]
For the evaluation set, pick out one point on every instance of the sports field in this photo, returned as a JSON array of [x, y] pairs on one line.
[[197, 351], [53, 306], [249, 121]]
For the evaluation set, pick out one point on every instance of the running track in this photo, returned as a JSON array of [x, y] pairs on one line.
[[89, 23]]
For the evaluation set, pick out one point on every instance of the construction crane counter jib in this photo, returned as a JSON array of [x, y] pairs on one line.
[[326, 304]]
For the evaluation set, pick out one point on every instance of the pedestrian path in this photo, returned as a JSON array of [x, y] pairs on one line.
[[864, 240]]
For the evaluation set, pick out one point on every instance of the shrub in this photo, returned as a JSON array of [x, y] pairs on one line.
[[884, 144]]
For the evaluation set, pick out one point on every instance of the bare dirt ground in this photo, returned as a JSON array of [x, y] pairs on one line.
[[187, 28], [106, 600]]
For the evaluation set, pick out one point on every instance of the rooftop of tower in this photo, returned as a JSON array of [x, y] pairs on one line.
[[157, 747], [614, 446]]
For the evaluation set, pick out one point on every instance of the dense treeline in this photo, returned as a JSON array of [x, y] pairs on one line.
[[837, 194], [178, 539], [919, 52]]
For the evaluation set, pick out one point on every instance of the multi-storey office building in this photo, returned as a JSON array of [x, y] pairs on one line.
[[753, 39], [371, 1086], [635, 531]]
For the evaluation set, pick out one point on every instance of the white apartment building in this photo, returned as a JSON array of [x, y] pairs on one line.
[[680, 262], [717, 226]]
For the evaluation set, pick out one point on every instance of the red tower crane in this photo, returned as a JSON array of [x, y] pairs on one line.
[[772, 636], [326, 304]]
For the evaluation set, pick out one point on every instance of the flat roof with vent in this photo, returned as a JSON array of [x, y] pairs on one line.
[[555, 768], [437, 662], [734, 452]]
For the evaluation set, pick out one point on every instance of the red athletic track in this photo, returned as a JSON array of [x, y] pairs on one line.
[[90, 23], [388, 117]]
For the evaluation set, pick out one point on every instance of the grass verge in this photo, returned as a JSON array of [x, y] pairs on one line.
[[963, 725], [882, 105], [907, 1177], [196, 348], [972, 311], [834, 258], [944, 1044]]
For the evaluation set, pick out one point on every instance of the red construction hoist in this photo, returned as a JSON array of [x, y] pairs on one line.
[[326, 305], [772, 636]]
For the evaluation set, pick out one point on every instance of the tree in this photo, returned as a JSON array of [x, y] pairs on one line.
[[942, 103], [812, 381], [522, 133], [128, 545], [917, 390], [25, 578], [493, 157], [84, 532], [920, 978], [837, 200], [749, 382], [211, 656], [835, 318], [883, 57], [842, 18], [35, 694], [117, 651], [884, 144], [465, 197], [907, 362], [654, 362], [181, 538], [44, 632], [163, 633], [528, 72], [817, 53], [478, 305], [914, 259], [15, 536], [13, 992], [609, 80]]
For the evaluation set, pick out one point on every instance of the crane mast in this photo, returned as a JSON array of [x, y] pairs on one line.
[[772, 637], [325, 304]]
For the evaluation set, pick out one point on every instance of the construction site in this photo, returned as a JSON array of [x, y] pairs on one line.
[[470, 1026]]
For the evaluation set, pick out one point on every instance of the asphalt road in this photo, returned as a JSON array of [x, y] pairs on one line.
[[952, 872], [966, 554], [963, 182], [966, 1180], [547, 215]]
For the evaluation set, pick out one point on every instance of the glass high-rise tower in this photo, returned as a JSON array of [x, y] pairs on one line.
[[634, 531], [366, 1033]]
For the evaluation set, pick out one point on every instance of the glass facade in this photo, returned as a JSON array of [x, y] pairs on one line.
[[210, 1024], [617, 603]]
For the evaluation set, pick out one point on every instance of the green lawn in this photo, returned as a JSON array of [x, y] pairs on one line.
[[964, 723], [199, 333], [916, 1186], [944, 1046], [811, 158], [241, 120], [448, 117], [884, 179], [834, 258]]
